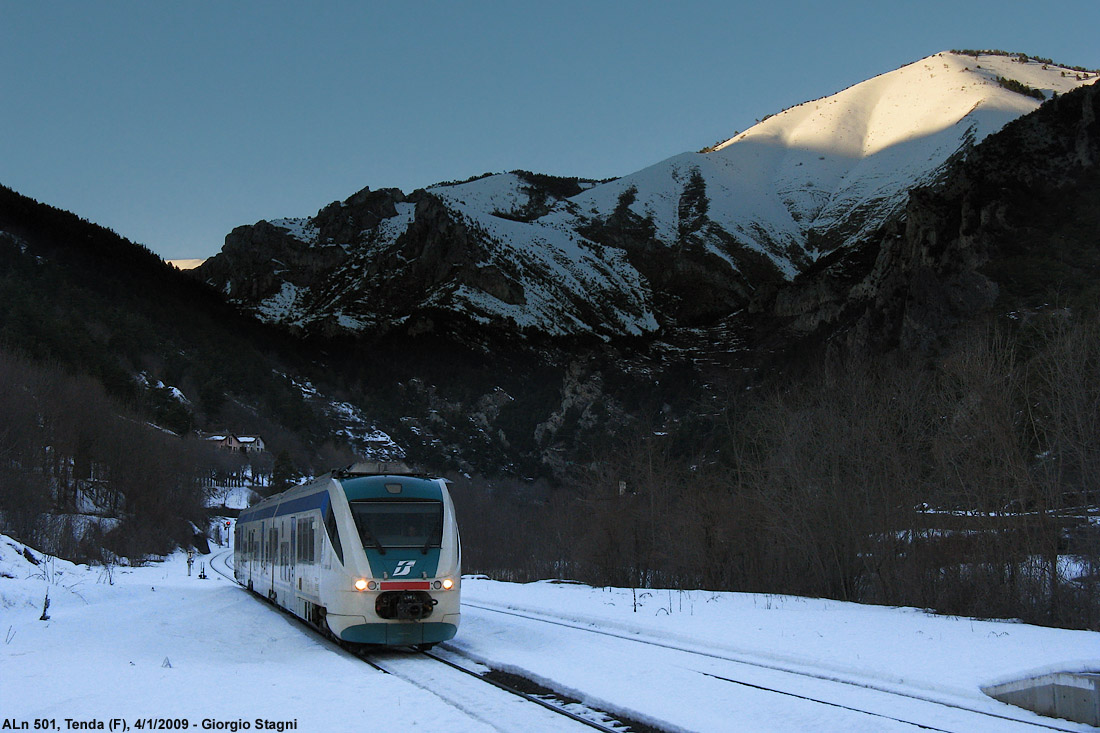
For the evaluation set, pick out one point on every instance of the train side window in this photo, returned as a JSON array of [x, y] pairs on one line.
[[306, 540], [333, 534], [311, 526]]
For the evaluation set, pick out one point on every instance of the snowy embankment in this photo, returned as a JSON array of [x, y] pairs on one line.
[[152, 642], [648, 654], [160, 644]]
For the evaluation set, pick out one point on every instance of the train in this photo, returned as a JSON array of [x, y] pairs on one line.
[[369, 554]]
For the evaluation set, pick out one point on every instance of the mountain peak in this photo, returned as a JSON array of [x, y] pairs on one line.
[[916, 100], [684, 241]]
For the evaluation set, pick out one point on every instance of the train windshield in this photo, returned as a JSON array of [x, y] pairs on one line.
[[385, 524]]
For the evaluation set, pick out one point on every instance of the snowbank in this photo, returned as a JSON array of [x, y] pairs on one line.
[[160, 644]]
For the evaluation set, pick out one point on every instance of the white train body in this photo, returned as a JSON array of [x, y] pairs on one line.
[[372, 557]]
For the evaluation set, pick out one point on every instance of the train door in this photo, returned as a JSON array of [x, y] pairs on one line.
[[250, 549], [272, 550], [293, 554], [284, 544], [307, 569]]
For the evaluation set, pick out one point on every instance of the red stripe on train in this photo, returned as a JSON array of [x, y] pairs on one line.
[[404, 585]]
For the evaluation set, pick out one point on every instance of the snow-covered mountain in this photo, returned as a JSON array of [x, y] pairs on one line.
[[684, 241]]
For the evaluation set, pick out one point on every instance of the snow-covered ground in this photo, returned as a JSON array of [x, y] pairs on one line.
[[159, 644], [230, 497], [689, 660]]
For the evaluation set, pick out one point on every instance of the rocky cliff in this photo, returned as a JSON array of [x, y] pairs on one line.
[[1012, 226], [516, 322], [683, 243]]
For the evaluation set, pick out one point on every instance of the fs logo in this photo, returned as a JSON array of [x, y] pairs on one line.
[[404, 567]]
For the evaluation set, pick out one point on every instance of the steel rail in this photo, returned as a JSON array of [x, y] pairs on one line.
[[526, 696]]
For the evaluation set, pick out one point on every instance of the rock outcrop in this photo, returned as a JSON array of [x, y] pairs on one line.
[[1011, 224]]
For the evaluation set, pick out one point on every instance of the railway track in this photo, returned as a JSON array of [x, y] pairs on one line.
[[746, 661], [423, 669], [480, 701]]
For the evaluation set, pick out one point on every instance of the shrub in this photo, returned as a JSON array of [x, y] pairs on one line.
[[1020, 88]]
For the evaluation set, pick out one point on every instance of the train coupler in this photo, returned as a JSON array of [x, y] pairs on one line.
[[404, 605]]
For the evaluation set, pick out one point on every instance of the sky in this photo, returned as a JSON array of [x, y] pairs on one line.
[[173, 122]]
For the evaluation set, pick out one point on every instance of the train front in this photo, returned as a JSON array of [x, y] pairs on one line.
[[402, 563]]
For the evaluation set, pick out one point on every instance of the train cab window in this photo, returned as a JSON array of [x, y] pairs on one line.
[[386, 524], [334, 535]]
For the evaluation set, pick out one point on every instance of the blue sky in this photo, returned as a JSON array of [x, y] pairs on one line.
[[172, 123]]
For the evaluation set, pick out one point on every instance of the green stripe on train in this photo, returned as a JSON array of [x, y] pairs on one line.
[[400, 634], [374, 487], [403, 563]]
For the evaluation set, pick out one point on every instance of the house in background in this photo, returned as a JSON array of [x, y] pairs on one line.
[[239, 443]]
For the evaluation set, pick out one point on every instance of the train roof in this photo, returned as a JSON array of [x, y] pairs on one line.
[[378, 468], [392, 486], [365, 480]]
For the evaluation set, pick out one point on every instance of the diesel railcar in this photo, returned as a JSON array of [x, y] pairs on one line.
[[369, 554]]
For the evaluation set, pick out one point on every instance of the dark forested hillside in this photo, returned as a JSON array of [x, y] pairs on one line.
[[112, 360], [82, 297], [923, 425]]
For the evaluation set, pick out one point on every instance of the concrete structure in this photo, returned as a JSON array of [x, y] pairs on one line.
[[1070, 695]]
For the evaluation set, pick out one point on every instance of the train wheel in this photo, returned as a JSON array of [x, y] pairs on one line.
[[424, 647]]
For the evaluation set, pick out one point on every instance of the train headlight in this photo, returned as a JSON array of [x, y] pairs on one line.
[[448, 584], [372, 585], [361, 584]]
